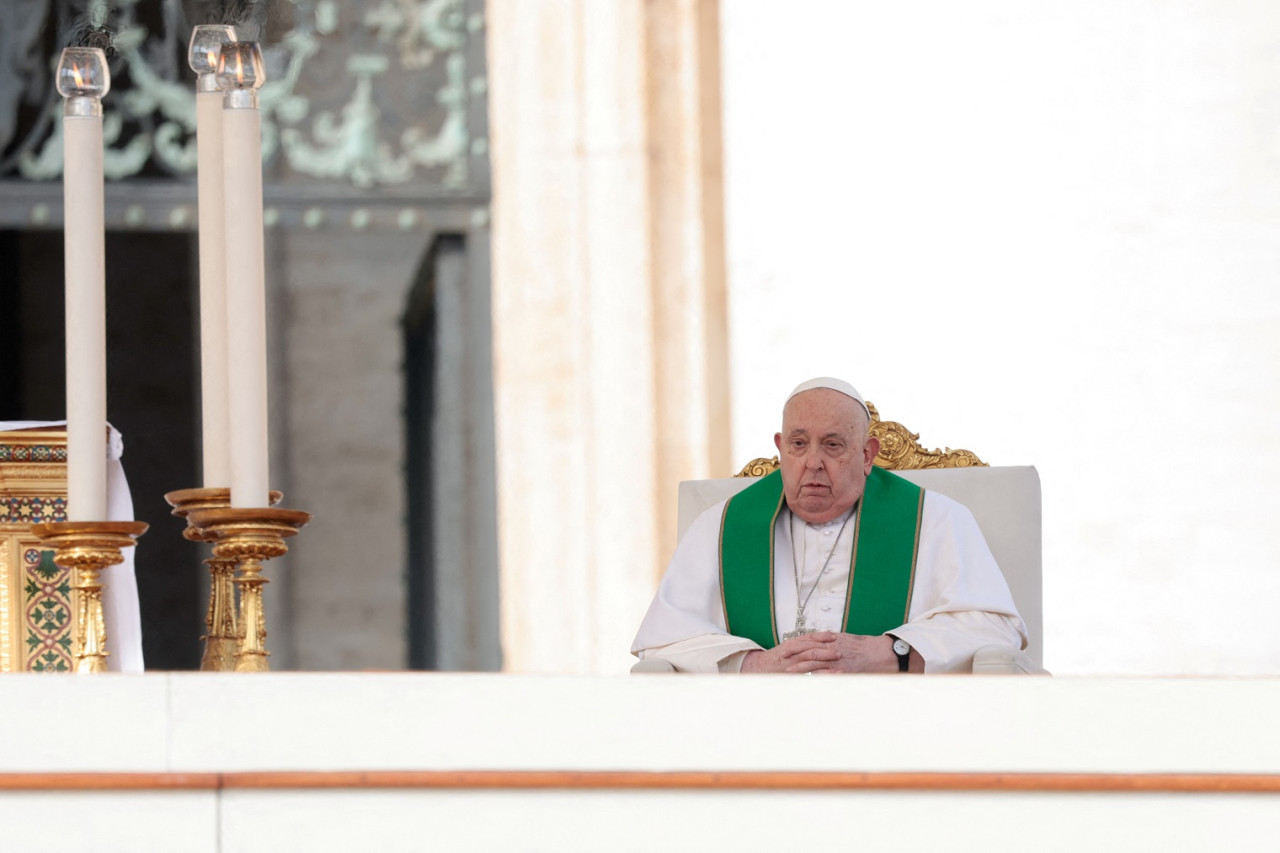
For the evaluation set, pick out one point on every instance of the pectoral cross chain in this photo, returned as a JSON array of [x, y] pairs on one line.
[[801, 627]]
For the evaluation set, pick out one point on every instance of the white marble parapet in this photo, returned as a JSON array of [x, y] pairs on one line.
[[322, 761]]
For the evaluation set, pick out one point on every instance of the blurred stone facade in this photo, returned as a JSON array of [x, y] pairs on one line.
[[376, 184]]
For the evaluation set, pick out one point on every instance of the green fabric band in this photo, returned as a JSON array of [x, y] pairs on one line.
[[881, 571]]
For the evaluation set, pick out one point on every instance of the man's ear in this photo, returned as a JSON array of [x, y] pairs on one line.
[[869, 451], [777, 441]]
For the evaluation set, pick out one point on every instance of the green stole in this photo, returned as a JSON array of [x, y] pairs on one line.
[[881, 571]]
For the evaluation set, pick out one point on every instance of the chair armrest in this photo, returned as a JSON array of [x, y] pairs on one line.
[[1004, 660], [651, 665]]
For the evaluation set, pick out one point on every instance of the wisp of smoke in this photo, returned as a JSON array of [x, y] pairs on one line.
[[84, 31], [249, 17]]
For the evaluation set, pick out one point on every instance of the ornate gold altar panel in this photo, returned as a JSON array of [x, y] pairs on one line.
[[37, 604]]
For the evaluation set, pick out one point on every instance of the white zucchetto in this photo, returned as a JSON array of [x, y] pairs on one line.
[[835, 385]]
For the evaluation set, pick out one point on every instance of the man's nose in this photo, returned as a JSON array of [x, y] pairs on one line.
[[813, 460]]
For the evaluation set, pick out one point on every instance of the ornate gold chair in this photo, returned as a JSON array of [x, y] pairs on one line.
[[1005, 501]]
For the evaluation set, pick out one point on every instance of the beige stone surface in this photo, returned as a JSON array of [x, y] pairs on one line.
[[342, 350], [325, 722], [604, 349]]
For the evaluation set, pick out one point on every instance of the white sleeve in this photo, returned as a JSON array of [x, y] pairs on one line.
[[685, 622], [960, 601]]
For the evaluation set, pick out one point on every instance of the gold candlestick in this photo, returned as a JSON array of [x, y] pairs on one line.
[[86, 548], [222, 640], [248, 536]]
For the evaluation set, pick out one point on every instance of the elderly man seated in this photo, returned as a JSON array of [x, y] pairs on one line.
[[830, 564]]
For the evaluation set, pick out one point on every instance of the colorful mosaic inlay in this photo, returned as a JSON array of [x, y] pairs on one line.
[[30, 510], [33, 453], [47, 592]]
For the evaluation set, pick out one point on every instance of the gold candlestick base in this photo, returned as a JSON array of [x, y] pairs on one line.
[[86, 548], [247, 537], [222, 640]]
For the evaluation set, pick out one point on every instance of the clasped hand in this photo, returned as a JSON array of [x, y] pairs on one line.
[[825, 651]]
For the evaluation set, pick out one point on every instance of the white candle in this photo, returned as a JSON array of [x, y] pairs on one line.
[[239, 74], [83, 79], [205, 48]]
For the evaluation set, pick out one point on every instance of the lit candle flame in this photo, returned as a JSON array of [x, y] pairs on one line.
[[82, 74], [240, 67]]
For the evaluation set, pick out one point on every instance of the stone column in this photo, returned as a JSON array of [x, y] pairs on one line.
[[608, 310], [687, 248]]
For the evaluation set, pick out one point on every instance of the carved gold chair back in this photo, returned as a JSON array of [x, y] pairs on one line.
[[900, 450]]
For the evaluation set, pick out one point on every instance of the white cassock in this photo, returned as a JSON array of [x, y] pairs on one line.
[[960, 601], [120, 586]]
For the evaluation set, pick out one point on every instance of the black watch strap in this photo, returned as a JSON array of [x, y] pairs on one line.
[[902, 650]]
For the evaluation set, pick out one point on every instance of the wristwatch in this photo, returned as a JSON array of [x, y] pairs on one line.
[[903, 650]]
